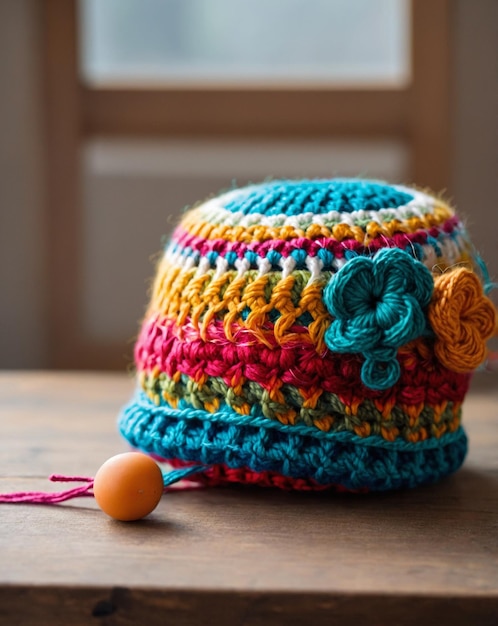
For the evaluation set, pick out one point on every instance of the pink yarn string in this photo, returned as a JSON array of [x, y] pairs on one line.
[[41, 497]]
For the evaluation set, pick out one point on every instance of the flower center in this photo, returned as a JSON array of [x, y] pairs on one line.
[[374, 301]]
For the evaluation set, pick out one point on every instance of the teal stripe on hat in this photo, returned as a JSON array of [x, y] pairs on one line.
[[317, 196]]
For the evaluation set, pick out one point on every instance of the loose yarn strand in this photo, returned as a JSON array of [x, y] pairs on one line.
[[41, 497], [86, 490]]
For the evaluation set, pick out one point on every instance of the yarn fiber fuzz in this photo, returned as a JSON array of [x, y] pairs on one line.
[[312, 334]]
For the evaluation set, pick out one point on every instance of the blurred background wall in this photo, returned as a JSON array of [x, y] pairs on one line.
[[23, 279], [131, 187]]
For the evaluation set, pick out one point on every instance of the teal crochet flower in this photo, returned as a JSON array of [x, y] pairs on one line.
[[378, 305]]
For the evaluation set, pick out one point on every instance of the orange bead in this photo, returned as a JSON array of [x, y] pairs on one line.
[[128, 486]]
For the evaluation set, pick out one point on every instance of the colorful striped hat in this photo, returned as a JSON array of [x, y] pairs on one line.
[[312, 334]]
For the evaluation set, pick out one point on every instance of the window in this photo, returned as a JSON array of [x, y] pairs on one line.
[[154, 103], [265, 41]]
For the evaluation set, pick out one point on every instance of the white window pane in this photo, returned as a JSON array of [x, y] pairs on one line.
[[134, 191], [353, 41]]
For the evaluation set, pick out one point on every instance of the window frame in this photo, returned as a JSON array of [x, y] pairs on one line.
[[418, 113]]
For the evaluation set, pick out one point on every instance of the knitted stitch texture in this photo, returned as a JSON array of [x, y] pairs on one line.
[[310, 335]]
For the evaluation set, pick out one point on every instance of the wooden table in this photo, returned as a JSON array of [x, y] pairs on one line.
[[234, 556]]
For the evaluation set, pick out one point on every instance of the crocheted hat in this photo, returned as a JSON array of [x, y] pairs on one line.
[[312, 334]]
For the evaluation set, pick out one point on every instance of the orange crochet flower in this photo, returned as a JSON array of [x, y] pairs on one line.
[[462, 318]]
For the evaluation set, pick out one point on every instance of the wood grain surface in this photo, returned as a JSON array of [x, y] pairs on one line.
[[234, 555]]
